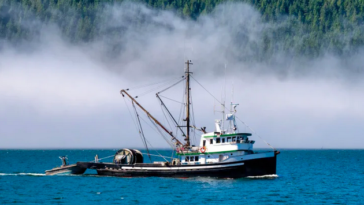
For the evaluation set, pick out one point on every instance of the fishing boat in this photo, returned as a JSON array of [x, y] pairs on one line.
[[223, 152]]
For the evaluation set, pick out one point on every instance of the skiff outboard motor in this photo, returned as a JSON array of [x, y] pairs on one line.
[[128, 156]]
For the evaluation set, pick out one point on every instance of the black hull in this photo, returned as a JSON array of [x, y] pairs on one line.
[[253, 167]]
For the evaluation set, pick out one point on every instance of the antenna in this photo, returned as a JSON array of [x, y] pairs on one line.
[[223, 103], [232, 92], [231, 125]]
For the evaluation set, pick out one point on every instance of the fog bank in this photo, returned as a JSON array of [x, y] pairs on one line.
[[57, 94]]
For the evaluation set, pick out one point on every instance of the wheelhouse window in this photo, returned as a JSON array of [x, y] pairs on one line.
[[187, 159], [228, 139], [217, 140], [211, 141], [196, 158], [192, 158], [223, 140], [234, 139], [204, 143], [238, 139]]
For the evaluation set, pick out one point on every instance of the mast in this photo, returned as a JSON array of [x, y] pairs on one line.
[[149, 115], [187, 75]]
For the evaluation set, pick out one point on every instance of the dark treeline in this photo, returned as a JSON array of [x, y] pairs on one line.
[[334, 25]]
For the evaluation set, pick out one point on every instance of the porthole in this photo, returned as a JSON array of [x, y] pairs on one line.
[[231, 154]]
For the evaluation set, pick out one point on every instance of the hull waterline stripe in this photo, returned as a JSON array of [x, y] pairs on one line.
[[184, 168]]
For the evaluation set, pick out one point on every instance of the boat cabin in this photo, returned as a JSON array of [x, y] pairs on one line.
[[215, 147]]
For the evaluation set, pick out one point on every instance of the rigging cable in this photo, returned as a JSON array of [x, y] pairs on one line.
[[155, 128], [157, 151], [165, 117], [255, 133], [132, 117], [103, 158], [157, 87], [158, 155], [170, 114], [137, 130], [141, 132], [183, 78], [150, 84], [181, 114], [164, 138], [172, 99], [151, 144], [208, 91], [235, 116], [193, 121], [160, 132]]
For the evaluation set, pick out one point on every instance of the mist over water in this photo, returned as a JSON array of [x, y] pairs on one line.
[[57, 93]]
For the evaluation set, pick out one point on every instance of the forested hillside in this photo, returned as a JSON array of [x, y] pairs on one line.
[[326, 24]]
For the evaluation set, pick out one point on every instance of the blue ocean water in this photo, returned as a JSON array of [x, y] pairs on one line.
[[304, 177]]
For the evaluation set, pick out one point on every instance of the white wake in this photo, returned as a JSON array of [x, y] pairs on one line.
[[269, 176], [22, 174]]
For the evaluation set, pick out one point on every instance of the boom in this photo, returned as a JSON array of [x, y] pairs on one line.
[[149, 115]]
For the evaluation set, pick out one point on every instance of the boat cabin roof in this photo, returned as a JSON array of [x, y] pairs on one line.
[[215, 134]]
